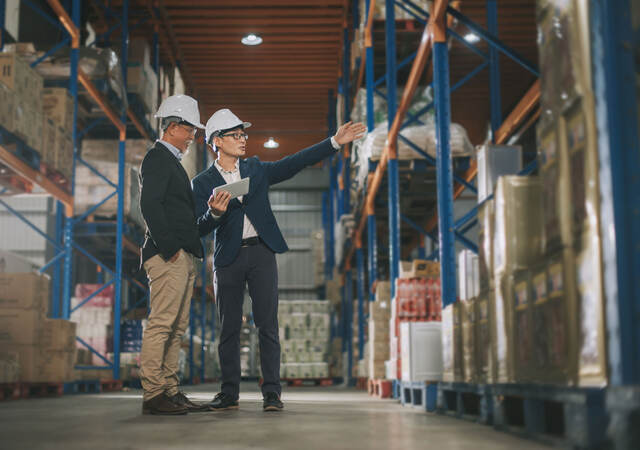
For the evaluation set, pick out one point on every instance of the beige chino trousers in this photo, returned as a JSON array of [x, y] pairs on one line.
[[171, 288]]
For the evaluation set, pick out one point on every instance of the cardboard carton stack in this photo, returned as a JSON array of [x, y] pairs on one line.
[[378, 344], [304, 338], [32, 347], [57, 146], [21, 95]]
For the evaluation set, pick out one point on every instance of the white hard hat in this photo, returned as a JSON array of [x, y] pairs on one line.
[[223, 119], [182, 106]]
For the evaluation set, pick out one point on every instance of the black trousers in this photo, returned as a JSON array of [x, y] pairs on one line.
[[256, 267]]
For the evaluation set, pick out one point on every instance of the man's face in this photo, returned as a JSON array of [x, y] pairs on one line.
[[182, 135], [232, 143]]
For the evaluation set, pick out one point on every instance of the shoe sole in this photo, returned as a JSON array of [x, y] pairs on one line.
[[225, 409], [147, 412], [272, 408]]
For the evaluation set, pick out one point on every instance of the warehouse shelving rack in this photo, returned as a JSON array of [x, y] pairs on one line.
[[69, 227], [434, 39]]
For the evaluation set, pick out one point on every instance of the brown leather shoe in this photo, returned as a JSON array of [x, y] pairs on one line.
[[182, 400], [162, 405]]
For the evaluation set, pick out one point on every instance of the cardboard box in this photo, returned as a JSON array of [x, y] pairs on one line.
[[9, 366], [24, 291], [48, 148], [57, 105], [58, 335], [20, 326], [422, 268], [26, 83], [27, 124], [38, 365], [6, 107]]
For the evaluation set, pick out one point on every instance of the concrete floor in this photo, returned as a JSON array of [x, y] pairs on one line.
[[314, 418]]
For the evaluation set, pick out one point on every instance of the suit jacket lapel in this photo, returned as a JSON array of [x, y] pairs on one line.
[[181, 170]]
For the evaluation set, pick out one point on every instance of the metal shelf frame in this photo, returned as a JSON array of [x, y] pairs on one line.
[[449, 184], [64, 241]]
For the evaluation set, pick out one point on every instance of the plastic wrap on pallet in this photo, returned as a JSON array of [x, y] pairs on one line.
[[517, 239], [495, 161], [523, 335], [592, 354], [468, 324], [485, 249], [501, 339], [484, 350], [421, 351], [468, 279], [107, 150], [448, 347]]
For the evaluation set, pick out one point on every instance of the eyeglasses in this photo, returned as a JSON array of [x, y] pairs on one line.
[[237, 136], [190, 129]]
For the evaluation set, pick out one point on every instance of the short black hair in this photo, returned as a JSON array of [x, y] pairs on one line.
[[221, 132]]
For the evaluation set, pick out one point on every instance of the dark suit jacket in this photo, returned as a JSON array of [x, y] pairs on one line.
[[228, 228], [167, 205]]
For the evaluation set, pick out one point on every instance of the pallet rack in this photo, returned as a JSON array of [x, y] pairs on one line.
[[69, 227], [614, 44]]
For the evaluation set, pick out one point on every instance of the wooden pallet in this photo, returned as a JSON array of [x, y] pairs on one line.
[[10, 391], [298, 382], [82, 387], [419, 394], [465, 401], [110, 385], [56, 176], [35, 390], [380, 388], [564, 416]]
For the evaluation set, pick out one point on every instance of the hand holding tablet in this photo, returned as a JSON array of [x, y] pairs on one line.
[[235, 189]]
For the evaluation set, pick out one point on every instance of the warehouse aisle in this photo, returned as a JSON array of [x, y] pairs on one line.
[[315, 418]]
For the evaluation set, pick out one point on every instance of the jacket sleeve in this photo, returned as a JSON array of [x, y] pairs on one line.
[[286, 168], [154, 176], [204, 218]]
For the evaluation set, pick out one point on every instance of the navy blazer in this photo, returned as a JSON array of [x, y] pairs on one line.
[[255, 204]]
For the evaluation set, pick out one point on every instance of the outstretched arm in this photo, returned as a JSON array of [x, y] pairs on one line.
[[286, 168]]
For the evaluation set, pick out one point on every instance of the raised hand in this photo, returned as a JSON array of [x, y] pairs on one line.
[[218, 203], [349, 132]]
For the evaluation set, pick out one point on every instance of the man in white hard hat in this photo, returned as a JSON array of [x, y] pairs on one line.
[[247, 238], [172, 242]]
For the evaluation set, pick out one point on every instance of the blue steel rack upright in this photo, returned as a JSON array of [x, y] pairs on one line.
[[63, 241], [435, 35]]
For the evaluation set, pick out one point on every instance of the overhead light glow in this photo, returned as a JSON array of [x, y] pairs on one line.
[[271, 143], [252, 39], [472, 38]]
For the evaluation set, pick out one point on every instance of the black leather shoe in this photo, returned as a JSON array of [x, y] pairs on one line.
[[162, 405], [182, 400], [222, 402], [272, 402]]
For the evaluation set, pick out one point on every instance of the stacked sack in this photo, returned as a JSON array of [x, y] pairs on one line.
[[304, 338]]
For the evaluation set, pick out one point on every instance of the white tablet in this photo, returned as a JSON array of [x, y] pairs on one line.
[[236, 189]]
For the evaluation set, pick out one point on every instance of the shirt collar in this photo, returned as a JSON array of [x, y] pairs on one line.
[[222, 170], [172, 148]]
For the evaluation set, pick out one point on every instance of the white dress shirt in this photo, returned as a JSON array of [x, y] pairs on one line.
[[248, 230], [172, 148]]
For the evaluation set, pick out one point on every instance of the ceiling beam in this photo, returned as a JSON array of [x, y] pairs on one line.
[[256, 21]]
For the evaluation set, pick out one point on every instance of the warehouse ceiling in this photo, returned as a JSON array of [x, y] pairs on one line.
[[282, 85]]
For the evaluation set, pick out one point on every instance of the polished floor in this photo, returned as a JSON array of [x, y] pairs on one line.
[[314, 418]]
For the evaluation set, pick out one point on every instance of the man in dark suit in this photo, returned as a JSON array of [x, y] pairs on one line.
[[246, 240], [172, 242]]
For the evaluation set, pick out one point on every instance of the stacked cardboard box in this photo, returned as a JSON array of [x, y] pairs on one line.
[[317, 243], [21, 95], [304, 338], [94, 318], [44, 349], [57, 145], [379, 336]]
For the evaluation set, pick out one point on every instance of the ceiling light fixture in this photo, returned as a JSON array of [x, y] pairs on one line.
[[472, 38], [271, 143], [252, 39]]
